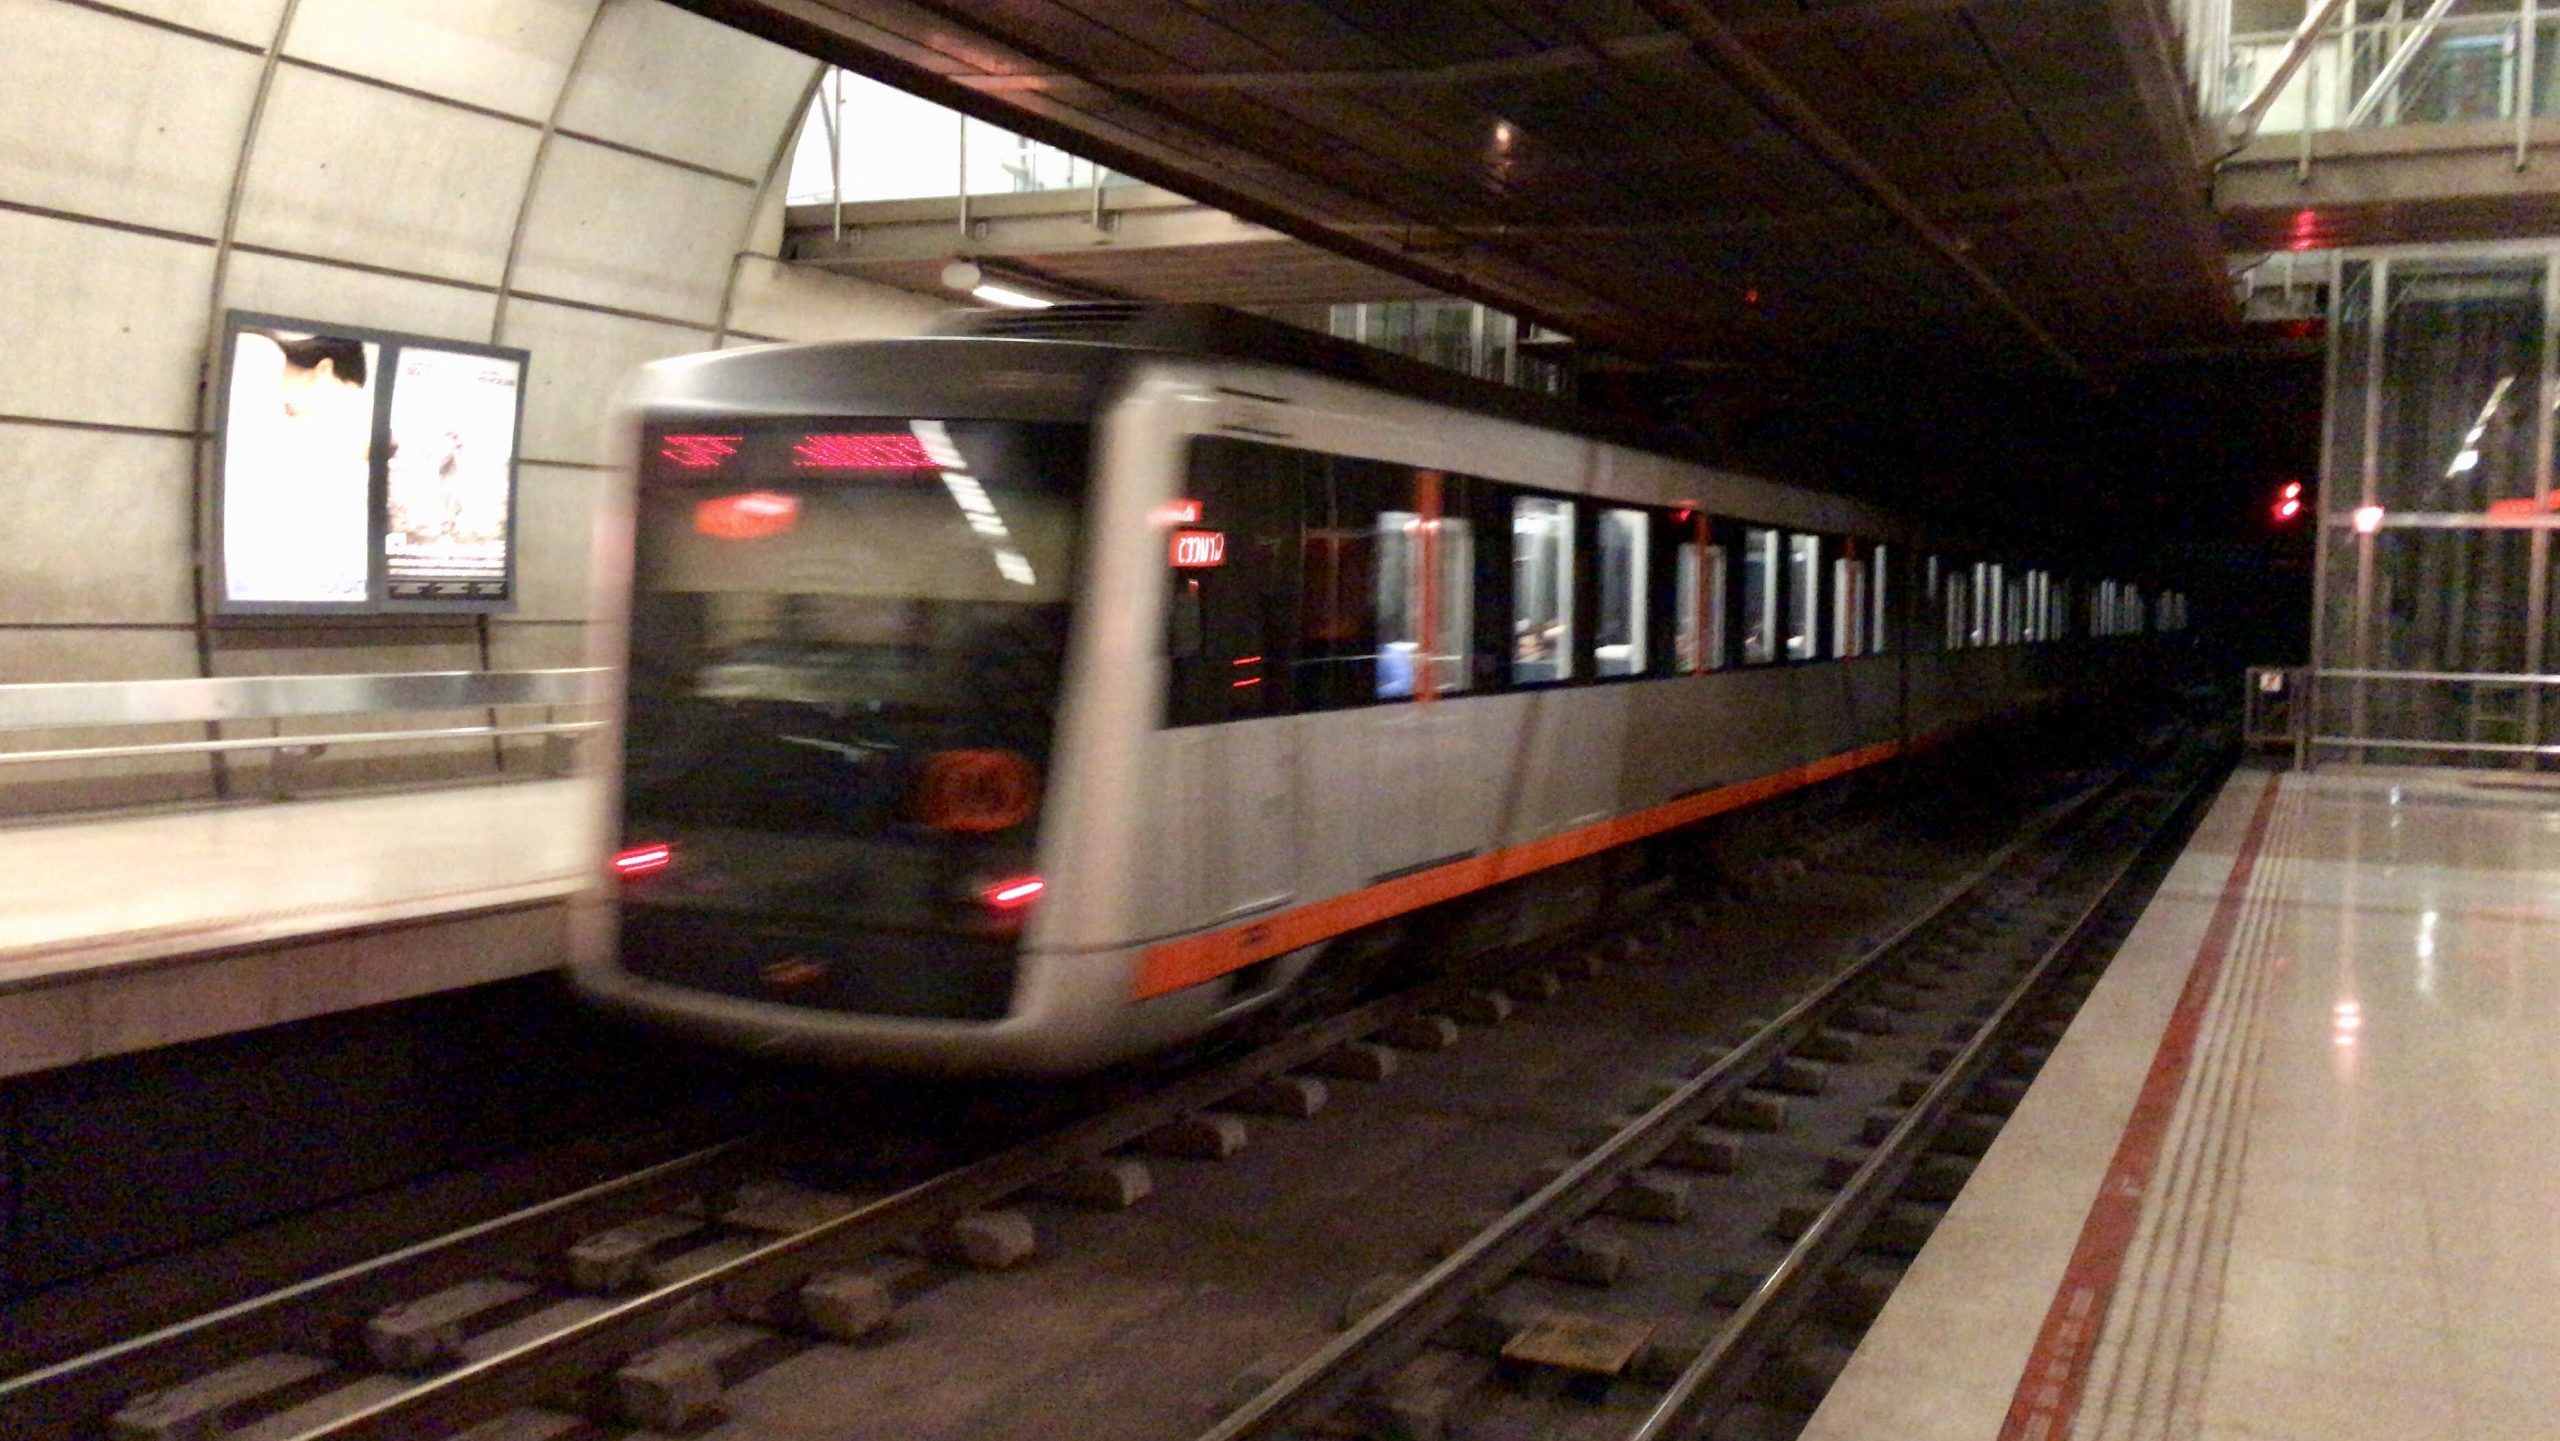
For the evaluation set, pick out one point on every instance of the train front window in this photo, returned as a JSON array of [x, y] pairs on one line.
[[849, 634]]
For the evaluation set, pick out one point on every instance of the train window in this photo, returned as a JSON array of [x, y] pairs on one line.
[[1804, 596], [1959, 609], [1341, 660], [1701, 609], [1848, 605], [1877, 613], [1231, 628], [1619, 640], [1541, 590], [1409, 548], [1400, 601], [1453, 656], [1759, 595]]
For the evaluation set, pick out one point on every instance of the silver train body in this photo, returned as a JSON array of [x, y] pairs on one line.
[[1250, 715]]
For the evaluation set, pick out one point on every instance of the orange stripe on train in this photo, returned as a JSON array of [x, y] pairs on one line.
[[1178, 965]]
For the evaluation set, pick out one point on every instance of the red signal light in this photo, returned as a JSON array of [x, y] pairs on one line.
[[644, 860], [752, 516], [1014, 894], [2288, 509]]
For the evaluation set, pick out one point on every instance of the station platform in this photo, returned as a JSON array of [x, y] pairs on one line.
[[2294, 1172], [123, 933]]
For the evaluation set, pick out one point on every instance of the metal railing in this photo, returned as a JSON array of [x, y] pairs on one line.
[[2273, 710], [2427, 65], [275, 699], [2352, 714]]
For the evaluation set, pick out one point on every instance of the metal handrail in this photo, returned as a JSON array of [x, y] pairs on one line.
[[83, 705], [2440, 676], [72, 704], [2400, 45], [2310, 741], [2389, 743]]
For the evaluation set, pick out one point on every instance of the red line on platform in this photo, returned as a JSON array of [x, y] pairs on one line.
[[2057, 1370]]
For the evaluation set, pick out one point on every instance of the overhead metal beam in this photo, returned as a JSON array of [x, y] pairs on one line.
[[1768, 92], [869, 38]]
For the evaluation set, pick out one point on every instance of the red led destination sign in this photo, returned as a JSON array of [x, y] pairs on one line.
[[860, 452], [1199, 549], [698, 452]]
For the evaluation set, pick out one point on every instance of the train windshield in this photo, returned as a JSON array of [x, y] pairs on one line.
[[846, 645]]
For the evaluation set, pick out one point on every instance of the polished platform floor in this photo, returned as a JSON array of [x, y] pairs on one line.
[[84, 894], [127, 933], [2294, 1173]]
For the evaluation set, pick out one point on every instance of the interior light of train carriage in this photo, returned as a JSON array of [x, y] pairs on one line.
[[1199, 549], [644, 860], [698, 452], [842, 451], [751, 516], [1014, 894]]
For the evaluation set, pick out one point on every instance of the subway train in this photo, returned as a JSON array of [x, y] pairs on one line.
[[1024, 698]]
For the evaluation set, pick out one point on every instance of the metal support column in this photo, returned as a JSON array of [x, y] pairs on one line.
[[2526, 45], [2537, 614], [2377, 336]]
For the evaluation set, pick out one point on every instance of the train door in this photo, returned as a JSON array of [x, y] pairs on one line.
[[1232, 560], [1425, 619]]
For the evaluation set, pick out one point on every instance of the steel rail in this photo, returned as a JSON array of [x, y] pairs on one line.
[[1401, 1325], [60, 1399], [1712, 1381]]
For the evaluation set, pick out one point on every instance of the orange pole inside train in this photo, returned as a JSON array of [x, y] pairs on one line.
[[1426, 495]]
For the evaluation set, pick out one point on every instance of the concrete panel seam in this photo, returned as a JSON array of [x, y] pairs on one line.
[[74, 217], [173, 27], [105, 427]]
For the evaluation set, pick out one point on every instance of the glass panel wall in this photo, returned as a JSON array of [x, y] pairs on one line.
[[2435, 616]]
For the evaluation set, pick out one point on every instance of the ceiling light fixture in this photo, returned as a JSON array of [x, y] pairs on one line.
[[998, 295]]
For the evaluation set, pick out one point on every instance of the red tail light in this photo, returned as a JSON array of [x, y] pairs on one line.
[[752, 516], [642, 860], [1014, 894]]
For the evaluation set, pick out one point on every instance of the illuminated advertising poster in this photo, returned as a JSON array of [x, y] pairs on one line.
[[297, 468], [450, 475], [363, 472]]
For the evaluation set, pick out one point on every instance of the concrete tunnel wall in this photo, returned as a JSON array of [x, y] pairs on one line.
[[597, 183]]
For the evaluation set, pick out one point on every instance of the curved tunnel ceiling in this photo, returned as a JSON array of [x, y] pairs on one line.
[[1985, 184]]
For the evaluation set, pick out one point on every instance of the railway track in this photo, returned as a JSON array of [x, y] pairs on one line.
[[643, 1300], [1984, 982]]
